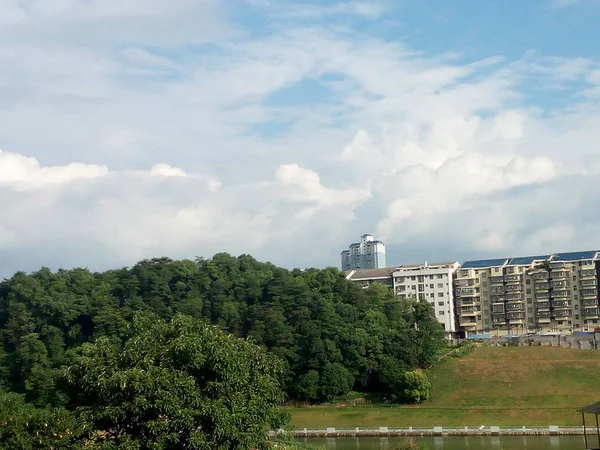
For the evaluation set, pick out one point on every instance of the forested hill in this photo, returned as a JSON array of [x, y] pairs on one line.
[[334, 336]]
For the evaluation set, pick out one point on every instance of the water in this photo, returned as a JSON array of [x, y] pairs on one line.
[[458, 443]]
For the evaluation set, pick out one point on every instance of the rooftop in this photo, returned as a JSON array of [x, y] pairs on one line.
[[575, 256], [484, 263], [527, 260], [363, 274], [427, 264]]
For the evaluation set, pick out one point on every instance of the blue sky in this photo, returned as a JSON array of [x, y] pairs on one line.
[[286, 129]]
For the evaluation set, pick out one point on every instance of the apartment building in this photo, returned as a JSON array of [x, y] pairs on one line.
[[369, 253], [431, 282], [554, 292]]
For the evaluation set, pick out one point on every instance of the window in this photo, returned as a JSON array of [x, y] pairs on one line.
[[440, 285], [574, 288], [576, 316], [527, 281], [496, 269], [440, 313], [401, 288], [431, 286], [574, 278], [529, 291], [421, 288], [440, 276], [484, 284], [413, 278], [576, 307], [431, 277], [440, 303], [486, 321], [440, 294], [432, 303]]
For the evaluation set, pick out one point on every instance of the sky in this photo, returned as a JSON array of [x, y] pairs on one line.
[[451, 130]]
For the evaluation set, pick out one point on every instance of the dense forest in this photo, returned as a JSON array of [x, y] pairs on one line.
[[332, 336]]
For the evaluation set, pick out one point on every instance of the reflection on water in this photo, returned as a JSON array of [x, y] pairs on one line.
[[455, 443]]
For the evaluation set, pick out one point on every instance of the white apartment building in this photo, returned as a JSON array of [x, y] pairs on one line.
[[432, 282], [369, 253]]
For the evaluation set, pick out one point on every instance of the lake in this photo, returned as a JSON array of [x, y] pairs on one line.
[[457, 443]]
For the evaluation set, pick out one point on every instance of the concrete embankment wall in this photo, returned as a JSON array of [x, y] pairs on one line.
[[436, 431], [582, 342]]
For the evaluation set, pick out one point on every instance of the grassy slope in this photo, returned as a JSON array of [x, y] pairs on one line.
[[491, 386]]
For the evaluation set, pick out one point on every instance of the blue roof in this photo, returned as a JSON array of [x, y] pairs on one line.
[[523, 260], [575, 256], [483, 263]]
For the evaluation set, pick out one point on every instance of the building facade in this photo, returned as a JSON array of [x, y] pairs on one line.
[[432, 283], [429, 282], [545, 293], [366, 254]]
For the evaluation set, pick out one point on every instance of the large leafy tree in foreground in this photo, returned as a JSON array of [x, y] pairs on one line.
[[180, 384]]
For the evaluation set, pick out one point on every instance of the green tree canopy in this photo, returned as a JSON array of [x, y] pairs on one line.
[[175, 385]]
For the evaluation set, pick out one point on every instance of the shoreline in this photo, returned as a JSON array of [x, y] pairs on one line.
[[435, 431]]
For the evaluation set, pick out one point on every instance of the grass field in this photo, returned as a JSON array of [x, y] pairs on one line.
[[492, 386]]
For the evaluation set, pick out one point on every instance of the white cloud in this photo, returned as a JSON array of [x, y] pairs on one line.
[[22, 173], [142, 143]]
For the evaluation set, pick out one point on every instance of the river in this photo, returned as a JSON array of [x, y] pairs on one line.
[[457, 443]]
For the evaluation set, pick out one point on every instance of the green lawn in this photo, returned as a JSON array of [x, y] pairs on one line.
[[491, 386]]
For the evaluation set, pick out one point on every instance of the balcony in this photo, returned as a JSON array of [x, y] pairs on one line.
[[560, 284], [514, 287], [497, 280], [541, 320], [469, 311], [591, 312], [498, 299], [514, 297], [512, 278], [467, 322], [560, 293], [467, 301], [542, 295], [540, 277], [499, 319], [562, 313], [464, 283], [542, 305], [587, 273], [589, 292], [559, 274], [466, 292], [515, 306], [561, 304], [542, 313], [498, 309], [590, 302], [516, 316], [497, 290], [542, 286]]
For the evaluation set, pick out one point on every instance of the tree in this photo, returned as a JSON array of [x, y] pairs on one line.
[[308, 386], [335, 380], [175, 385], [24, 427], [417, 387]]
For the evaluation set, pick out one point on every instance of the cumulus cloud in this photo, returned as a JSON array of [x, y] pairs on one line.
[[23, 173], [142, 144]]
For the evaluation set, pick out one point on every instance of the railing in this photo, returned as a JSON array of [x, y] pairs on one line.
[[436, 431]]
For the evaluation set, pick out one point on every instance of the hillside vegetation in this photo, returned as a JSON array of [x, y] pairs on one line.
[[491, 386], [332, 336]]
